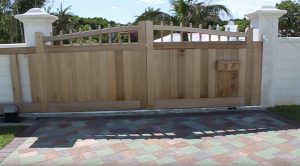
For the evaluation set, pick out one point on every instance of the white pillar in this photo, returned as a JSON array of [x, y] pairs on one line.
[[34, 20], [264, 21]]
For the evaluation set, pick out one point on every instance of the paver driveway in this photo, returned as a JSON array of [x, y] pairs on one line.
[[254, 138]]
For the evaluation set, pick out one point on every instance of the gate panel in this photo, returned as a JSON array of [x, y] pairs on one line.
[[218, 70], [98, 80], [195, 76]]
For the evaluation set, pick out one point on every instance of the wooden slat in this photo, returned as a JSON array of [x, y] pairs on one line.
[[15, 78], [204, 73], [212, 53], [17, 50], [80, 106], [242, 60], [128, 76], [189, 74], [257, 72], [30, 107], [200, 45], [157, 64], [143, 84], [165, 74], [92, 48], [120, 75], [258, 45], [173, 74], [34, 71], [43, 84], [181, 73], [249, 67], [149, 62], [112, 76], [94, 106], [199, 103], [197, 30], [89, 33]]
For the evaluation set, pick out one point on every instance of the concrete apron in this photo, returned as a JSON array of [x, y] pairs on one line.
[[139, 112]]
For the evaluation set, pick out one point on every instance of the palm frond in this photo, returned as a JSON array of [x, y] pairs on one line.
[[156, 16]]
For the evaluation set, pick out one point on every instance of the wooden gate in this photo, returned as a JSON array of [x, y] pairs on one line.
[[81, 72]]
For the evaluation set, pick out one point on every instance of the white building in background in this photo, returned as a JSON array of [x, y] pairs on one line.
[[231, 27]]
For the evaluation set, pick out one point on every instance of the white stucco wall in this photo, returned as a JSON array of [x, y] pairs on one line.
[[287, 71], [6, 92]]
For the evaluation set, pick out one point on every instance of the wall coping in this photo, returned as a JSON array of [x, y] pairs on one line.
[[288, 39], [36, 15], [12, 45]]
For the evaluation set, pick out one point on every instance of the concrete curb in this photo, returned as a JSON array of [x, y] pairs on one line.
[[137, 112]]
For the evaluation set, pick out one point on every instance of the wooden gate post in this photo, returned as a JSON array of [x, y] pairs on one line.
[[42, 82], [145, 39], [249, 67]]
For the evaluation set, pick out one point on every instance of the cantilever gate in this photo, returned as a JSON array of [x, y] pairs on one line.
[[87, 74]]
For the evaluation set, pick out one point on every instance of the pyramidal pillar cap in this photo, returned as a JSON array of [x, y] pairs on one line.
[[36, 15], [266, 10]]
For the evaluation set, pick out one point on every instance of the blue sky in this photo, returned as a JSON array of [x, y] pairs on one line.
[[124, 11]]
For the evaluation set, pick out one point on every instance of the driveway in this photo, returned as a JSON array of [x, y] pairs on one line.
[[244, 138]]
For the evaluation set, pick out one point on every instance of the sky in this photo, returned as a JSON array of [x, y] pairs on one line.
[[124, 11]]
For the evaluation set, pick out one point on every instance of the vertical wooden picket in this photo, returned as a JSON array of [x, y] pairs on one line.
[[145, 39], [43, 84], [249, 66]]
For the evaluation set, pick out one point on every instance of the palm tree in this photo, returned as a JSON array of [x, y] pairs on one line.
[[64, 19], [188, 11]]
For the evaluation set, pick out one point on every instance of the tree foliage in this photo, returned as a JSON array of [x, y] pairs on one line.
[[243, 24], [289, 24], [188, 11], [11, 30]]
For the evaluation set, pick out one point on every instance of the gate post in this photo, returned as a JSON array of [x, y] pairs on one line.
[[34, 20], [249, 67], [145, 40], [42, 66], [265, 21]]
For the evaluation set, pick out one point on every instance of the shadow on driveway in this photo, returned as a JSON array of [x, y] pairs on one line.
[[64, 133]]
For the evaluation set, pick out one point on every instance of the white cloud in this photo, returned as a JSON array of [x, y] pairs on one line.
[[154, 1], [240, 7]]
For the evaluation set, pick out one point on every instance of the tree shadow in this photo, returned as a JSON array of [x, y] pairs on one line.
[[64, 133]]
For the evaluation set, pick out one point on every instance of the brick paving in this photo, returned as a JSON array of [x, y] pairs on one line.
[[255, 138]]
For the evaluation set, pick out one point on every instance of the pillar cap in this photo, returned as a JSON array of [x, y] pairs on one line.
[[36, 15], [266, 10]]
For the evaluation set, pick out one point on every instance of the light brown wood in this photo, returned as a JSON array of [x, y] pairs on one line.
[[43, 83], [90, 33], [17, 50], [212, 73], [200, 45], [249, 66], [242, 70], [198, 103], [92, 48], [94, 106], [79, 106], [154, 75], [197, 30], [15, 78], [150, 64], [142, 41]]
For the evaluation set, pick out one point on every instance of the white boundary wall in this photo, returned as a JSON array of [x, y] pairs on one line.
[[280, 69], [287, 71], [6, 89]]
